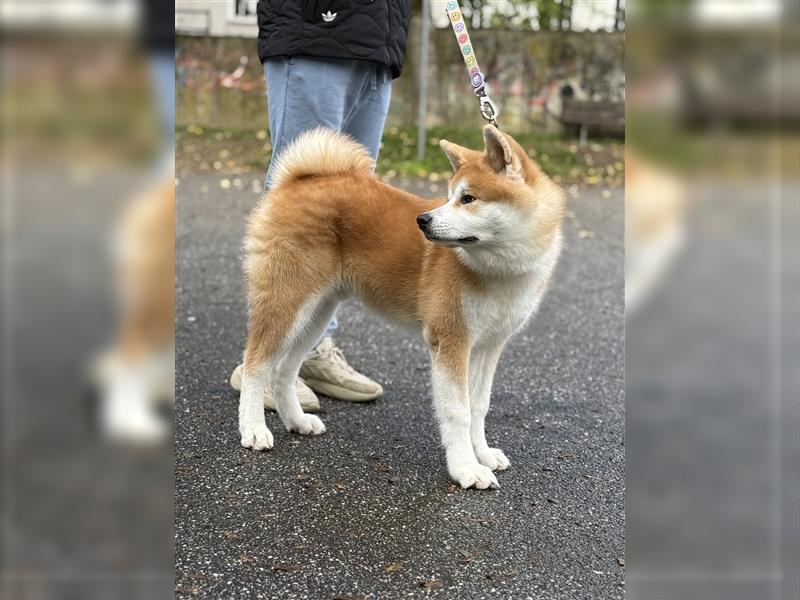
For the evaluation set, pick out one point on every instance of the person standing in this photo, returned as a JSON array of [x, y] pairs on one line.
[[329, 63]]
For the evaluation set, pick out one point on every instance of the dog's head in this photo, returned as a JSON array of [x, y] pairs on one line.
[[498, 198]]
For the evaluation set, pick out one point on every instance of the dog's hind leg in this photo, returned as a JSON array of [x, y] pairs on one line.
[[482, 365], [252, 423], [309, 325], [285, 285]]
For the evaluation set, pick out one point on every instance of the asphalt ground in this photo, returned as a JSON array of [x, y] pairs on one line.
[[367, 509]]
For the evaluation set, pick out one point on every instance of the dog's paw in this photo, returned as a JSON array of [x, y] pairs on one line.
[[493, 458], [307, 425], [256, 436], [474, 475]]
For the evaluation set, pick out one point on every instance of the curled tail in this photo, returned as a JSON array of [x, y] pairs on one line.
[[320, 151]]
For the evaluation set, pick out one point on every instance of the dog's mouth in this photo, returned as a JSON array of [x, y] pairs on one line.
[[463, 241], [470, 239]]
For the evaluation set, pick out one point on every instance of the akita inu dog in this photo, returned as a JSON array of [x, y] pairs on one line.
[[467, 273]]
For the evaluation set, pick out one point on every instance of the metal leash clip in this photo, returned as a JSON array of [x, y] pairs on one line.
[[487, 107]]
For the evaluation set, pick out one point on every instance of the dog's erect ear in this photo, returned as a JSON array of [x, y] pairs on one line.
[[499, 152], [457, 155]]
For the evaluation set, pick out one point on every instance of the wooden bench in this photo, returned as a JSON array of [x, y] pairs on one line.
[[583, 114]]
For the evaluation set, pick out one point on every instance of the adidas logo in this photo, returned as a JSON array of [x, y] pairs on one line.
[[329, 16]]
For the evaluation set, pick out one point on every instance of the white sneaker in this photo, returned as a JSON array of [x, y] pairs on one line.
[[327, 372], [308, 399]]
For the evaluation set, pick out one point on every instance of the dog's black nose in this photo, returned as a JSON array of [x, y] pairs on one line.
[[423, 220]]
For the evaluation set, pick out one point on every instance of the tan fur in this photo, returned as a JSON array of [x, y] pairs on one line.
[[314, 231], [146, 273], [320, 151], [332, 223]]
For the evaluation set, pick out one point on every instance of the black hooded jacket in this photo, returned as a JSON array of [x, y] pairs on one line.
[[373, 30]]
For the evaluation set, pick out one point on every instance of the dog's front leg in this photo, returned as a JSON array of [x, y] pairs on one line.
[[482, 365], [450, 367]]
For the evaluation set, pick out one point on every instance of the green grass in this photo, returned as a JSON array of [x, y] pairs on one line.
[[247, 150], [559, 157]]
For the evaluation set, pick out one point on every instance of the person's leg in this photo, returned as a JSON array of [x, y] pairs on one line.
[[326, 370], [365, 123], [306, 93], [303, 93], [162, 77]]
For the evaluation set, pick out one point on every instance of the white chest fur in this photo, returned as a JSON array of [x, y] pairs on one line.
[[507, 303]]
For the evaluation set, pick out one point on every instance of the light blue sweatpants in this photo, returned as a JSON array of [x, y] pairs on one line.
[[351, 96]]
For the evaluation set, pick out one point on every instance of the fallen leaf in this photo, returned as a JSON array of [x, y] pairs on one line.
[[339, 486], [383, 468], [552, 501], [392, 568], [452, 488], [621, 562], [286, 567], [430, 585], [230, 535], [548, 469], [502, 576], [246, 558], [187, 589], [302, 477]]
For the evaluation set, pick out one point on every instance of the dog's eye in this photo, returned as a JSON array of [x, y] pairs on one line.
[[467, 198]]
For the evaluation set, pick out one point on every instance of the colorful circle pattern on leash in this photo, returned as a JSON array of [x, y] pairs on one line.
[[476, 77]]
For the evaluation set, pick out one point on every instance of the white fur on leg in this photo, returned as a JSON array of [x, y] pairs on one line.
[[289, 409], [481, 369], [452, 411], [304, 333], [252, 423], [131, 390], [128, 405]]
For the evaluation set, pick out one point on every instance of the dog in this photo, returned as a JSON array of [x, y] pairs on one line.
[[467, 272]]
